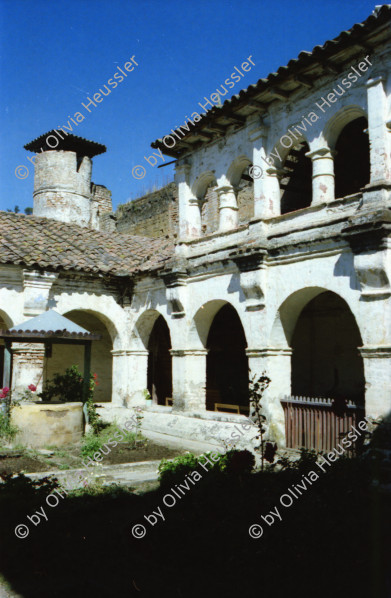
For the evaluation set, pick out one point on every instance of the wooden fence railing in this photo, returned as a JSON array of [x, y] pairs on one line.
[[314, 423]]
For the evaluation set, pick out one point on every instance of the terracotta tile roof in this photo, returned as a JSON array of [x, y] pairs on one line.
[[69, 143], [298, 72], [45, 243]]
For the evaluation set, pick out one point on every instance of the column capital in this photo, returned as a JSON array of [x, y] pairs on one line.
[[269, 352], [375, 351], [188, 352], [225, 189], [275, 172], [321, 152], [127, 352], [375, 81]]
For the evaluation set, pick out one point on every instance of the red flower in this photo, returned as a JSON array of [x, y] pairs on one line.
[[5, 390], [95, 376], [32, 387]]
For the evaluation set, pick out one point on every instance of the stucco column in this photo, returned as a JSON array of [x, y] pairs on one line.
[[28, 367], [228, 208], [130, 369], [379, 136], [276, 362], [271, 204], [323, 187], [377, 368], [266, 198], [189, 379], [189, 208]]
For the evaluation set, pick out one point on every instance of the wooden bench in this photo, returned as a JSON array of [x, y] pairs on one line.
[[226, 407], [240, 409]]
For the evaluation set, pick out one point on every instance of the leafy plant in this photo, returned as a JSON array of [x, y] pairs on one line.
[[65, 387], [91, 444], [233, 462], [257, 388], [172, 472], [69, 387], [237, 462], [8, 430]]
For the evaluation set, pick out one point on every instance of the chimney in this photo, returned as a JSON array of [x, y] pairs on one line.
[[62, 177]]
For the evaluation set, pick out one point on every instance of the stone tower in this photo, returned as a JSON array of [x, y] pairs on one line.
[[62, 179]]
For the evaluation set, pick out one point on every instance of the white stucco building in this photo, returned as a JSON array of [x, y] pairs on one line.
[[286, 271]]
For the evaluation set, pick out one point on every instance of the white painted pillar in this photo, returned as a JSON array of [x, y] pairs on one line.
[[189, 379], [379, 136], [276, 363], [228, 208], [189, 208], [261, 206], [377, 368], [323, 186], [271, 205], [130, 372]]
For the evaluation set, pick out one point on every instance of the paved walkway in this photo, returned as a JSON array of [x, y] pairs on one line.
[[124, 474]]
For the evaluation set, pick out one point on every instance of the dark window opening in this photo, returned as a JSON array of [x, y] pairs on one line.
[[159, 363], [351, 162], [296, 185], [227, 362], [326, 362]]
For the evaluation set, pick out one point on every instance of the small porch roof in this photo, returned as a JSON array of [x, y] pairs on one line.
[[49, 325]]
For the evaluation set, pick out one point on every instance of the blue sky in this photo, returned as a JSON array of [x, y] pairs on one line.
[[56, 53]]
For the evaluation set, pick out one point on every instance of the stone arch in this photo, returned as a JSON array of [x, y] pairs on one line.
[[159, 375], [151, 333], [243, 184], [221, 332], [202, 322], [288, 313], [338, 121], [236, 169], [323, 334], [5, 320], [111, 316], [64, 356], [143, 328], [201, 184]]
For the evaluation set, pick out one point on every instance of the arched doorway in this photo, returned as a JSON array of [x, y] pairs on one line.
[[64, 356], [159, 363], [352, 162], [227, 363], [296, 184], [327, 375], [325, 357]]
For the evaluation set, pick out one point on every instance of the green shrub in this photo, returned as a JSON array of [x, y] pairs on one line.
[[233, 462], [236, 462], [91, 445], [7, 429], [172, 472]]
